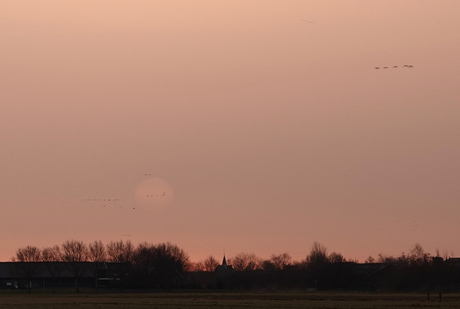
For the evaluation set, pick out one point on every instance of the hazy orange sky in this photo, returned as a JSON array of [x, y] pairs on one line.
[[267, 119]]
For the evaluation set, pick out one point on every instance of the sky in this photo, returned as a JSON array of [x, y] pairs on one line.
[[249, 126]]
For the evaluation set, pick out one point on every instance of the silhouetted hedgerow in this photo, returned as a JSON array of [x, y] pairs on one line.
[[121, 265]]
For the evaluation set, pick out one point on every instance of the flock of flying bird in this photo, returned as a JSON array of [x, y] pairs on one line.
[[410, 66], [117, 199], [111, 200], [164, 193], [100, 199]]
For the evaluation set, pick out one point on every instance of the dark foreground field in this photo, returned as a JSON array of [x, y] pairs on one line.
[[225, 300]]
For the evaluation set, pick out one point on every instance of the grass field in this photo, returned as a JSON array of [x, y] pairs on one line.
[[323, 300]]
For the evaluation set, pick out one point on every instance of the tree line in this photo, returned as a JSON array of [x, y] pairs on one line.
[[151, 264], [158, 265]]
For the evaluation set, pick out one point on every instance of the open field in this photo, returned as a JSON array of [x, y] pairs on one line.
[[323, 300]]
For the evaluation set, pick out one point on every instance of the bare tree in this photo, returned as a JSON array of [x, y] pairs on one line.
[[143, 259], [27, 260], [198, 266], [177, 255], [98, 256], [369, 260], [210, 264], [169, 263], [382, 258], [418, 257], [208, 267], [122, 253], [246, 262], [268, 265], [52, 258], [318, 257], [281, 261], [75, 254], [335, 257]]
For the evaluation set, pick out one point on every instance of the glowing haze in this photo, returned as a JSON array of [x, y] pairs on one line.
[[267, 119]]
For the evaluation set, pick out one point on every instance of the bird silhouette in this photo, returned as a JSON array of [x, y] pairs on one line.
[[395, 66]]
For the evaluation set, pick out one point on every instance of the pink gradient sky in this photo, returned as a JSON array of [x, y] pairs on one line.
[[273, 132]]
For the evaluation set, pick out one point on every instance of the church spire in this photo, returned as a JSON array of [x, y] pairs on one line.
[[224, 261]]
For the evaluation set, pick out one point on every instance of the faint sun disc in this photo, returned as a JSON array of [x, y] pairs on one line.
[[153, 194]]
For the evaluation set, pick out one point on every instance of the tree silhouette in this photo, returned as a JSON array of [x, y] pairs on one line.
[[210, 264], [198, 266], [418, 257], [318, 256], [75, 254], [98, 256], [27, 263], [52, 258], [281, 261], [246, 262], [335, 257], [369, 260], [164, 266], [169, 262], [122, 254], [143, 259]]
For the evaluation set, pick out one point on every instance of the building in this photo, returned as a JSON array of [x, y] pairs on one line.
[[223, 274]]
